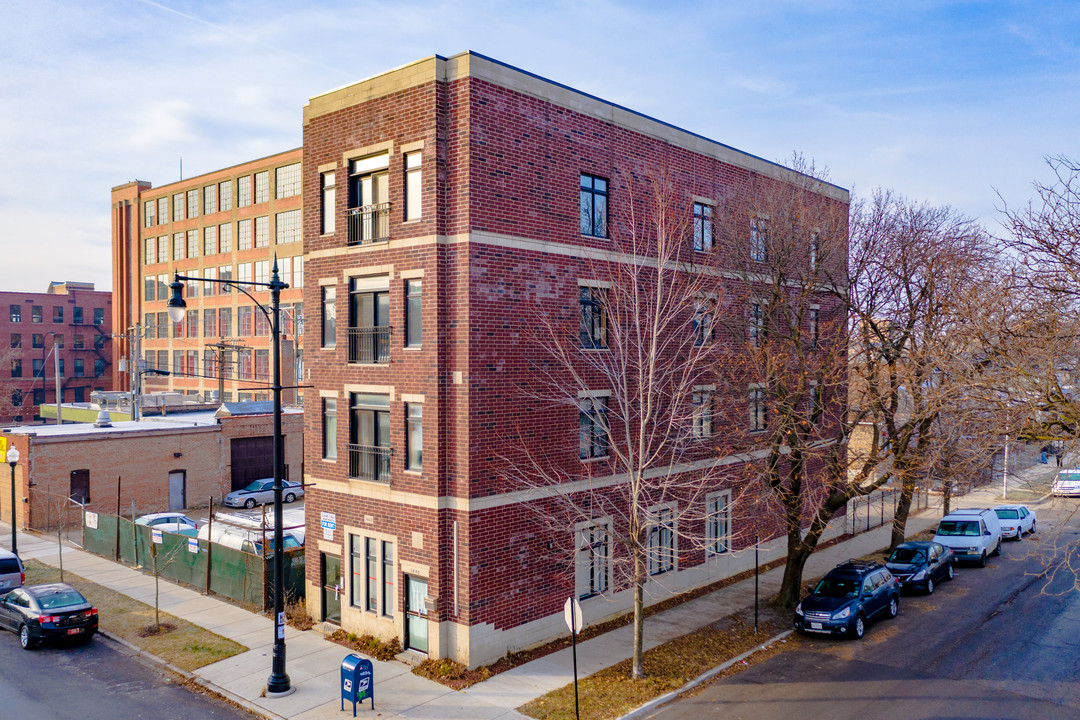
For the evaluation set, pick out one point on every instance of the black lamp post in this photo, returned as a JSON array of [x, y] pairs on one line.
[[278, 682], [13, 460]]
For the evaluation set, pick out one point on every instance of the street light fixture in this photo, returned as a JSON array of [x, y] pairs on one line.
[[278, 682], [13, 459]]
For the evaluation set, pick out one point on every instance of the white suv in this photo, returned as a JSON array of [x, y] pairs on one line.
[[972, 533]]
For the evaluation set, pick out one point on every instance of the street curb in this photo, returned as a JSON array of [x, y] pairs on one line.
[[187, 675], [641, 710]]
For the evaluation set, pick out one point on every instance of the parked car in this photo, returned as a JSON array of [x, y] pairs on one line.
[[1067, 484], [245, 539], [173, 522], [921, 564], [41, 613], [12, 573], [261, 492], [972, 533], [849, 596], [1015, 520]]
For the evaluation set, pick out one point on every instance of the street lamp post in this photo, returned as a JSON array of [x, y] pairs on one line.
[[13, 459], [278, 682]]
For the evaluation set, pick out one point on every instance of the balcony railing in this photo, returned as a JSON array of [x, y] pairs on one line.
[[369, 462], [369, 345], [369, 223]]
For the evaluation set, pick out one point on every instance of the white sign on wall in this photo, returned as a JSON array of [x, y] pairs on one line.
[[91, 520]]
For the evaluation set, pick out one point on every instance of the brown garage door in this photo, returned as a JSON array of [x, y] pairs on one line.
[[253, 458]]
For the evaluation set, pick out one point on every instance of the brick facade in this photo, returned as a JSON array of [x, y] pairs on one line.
[[497, 242]]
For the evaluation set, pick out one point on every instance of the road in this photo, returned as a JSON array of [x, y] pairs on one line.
[[98, 681], [1000, 642]]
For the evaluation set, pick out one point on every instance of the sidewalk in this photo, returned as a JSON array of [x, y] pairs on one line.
[[313, 663]]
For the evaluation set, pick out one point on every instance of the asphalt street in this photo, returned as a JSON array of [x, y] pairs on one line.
[[97, 681], [999, 642]]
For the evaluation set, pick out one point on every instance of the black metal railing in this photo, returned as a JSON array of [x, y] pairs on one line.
[[369, 345], [369, 223], [369, 462]]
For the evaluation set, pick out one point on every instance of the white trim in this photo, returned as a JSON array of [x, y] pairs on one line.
[[600, 284], [411, 274], [368, 150], [412, 398], [593, 393]]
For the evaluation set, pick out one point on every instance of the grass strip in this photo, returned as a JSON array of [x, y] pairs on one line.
[[187, 647]]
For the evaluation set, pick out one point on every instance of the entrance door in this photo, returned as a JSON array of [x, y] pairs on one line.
[[331, 588], [416, 623], [80, 486], [177, 490]]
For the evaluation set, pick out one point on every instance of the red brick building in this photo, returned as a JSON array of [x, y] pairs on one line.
[[442, 199], [70, 318]]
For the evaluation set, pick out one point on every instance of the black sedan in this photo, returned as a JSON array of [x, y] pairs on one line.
[[48, 612], [921, 564]]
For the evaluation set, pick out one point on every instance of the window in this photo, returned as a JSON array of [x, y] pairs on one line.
[[16, 367], [149, 251], [413, 323], [369, 200], [414, 436], [209, 322], [99, 316], [369, 319], [243, 235], [149, 218], [37, 314], [191, 324], [16, 340], [162, 358], [178, 246], [79, 369], [292, 271], [243, 321], [815, 313], [193, 203], [703, 237], [593, 317], [210, 244], [209, 288], [387, 578], [163, 286], [80, 395], [99, 342], [58, 314], [37, 340], [594, 199], [287, 227], [210, 199], [718, 523], [328, 202], [225, 238], [262, 186], [262, 231], [224, 322], [757, 323], [243, 273], [661, 547], [58, 340], [702, 400], [369, 437], [813, 251], [413, 187], [243, 191], [329, 316], [77, 315], [16, 398], [149, 322], [39, 397], [262, 324], [191, 287], [593, 560], [287, 181], [61, 371], [38, 365], [225, 195], [77, 342], [262, 364], [192, 243], [329, 428], [177, 207], [15, 313], [163, 249], [225, 272], [758, 409], [759, 237], [703, 321], [163, 210], [262, 271], [593, 428], [815, 404]]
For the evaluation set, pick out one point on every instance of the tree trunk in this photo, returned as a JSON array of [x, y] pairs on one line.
[[903, 507], [638, 666], [791, 587]]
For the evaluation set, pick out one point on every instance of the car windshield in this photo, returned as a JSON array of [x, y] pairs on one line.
[[838, 587], [9, 565], [958, 527], [255, 486], [907, 555], [60, 599], [1007, 514]]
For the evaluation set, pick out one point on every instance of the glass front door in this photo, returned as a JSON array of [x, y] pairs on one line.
[[331, 588], [416, 622]]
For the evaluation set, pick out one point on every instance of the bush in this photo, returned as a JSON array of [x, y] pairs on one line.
[[368, 644]]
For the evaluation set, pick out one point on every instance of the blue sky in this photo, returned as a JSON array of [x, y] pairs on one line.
[[948, 102]]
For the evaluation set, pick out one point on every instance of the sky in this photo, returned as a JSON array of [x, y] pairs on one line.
[[954, 103]]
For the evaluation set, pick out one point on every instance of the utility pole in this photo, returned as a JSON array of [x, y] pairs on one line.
[[56, 368], [136, 376], [222, 349]]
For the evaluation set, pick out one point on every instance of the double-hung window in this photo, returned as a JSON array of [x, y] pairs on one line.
[[759, 239], [414, 436], [210, 199], [372, 586], [329, 428], [593, 559], [661, 548], [593, 302], [329, 194], [369, 200], [813, 251], [758, 409], [369, 319], [702, 402], [262, 186], [593, 438], [594, 205], [149, 218], [413, 309], [413, 186], [329, 316], [703, 320], [703, 232], [757, 327], [369, 436], [718, 523], [815, 314]]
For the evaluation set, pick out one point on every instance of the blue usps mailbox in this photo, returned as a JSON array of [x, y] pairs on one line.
[[357, 682]]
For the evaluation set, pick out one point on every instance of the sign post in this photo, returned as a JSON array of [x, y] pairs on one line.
[[572, 613]]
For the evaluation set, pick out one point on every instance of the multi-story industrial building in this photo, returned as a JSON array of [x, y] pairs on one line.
[[447, 205], [70, 323], [227, 224]]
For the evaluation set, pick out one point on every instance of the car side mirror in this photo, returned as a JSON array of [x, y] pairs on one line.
[[987, 532]]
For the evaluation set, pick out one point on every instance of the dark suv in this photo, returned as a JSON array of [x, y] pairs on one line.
[[844, 600]]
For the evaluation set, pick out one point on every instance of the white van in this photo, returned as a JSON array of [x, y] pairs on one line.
[[243, 539], [972, 533]]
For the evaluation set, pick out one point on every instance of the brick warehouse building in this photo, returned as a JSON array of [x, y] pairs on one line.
[[440, 198], [74, 319], [229, 223]]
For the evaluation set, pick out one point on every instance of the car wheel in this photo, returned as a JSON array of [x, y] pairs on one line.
[[950, 573], [249, 503], [289, 498], [1032, 528], [929, 586], [25, 640], [894, 606], [982, 559], [860, 627], [997, 550], [1019, 534]]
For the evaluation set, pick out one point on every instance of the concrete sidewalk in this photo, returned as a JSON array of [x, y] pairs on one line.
[[313, 663]]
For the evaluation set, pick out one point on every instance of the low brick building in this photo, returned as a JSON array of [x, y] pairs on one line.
[[164, 463]]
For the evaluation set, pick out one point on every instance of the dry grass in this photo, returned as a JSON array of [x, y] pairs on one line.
[[187, 646], [367, 644], [611, 693]]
